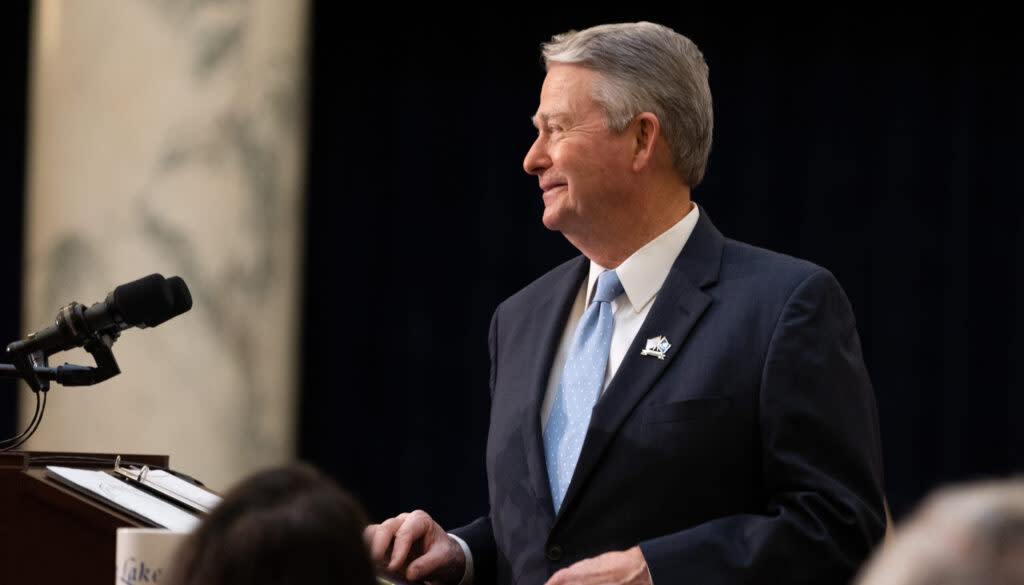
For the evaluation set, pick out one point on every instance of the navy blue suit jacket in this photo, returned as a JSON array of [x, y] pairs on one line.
[[750, 454]]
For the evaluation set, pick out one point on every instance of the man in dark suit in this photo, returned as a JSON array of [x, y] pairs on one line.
[[672, 406]]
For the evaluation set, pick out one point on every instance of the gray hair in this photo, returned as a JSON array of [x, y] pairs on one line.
[[647, 67], [962, 535]]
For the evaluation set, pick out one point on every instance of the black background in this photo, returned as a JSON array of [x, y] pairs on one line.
[[14, 27], [882, 146]]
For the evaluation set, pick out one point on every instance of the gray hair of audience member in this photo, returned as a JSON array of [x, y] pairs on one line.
[[288, 524], [647, 67], [968, 534]]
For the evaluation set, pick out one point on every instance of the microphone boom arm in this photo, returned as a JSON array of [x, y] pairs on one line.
[[34, 369]]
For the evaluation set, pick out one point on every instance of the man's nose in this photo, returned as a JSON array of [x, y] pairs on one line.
[[536, 158]]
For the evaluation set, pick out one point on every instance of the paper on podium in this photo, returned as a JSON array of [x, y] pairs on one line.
[[128, 497], [182, 488]]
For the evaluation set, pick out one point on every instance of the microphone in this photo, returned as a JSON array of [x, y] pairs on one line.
[[146, 302]]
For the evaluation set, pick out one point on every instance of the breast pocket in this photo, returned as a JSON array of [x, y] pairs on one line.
[[693, 410]]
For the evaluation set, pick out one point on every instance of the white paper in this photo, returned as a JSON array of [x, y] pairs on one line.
[[178, 486], [131, 498]]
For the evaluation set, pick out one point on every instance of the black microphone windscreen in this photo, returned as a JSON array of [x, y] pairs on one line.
[[151, 300], [181, 298]]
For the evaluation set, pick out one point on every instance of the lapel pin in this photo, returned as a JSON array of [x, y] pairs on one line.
[[656, 346]]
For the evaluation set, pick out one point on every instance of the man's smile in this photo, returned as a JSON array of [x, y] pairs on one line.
[[552, 189]]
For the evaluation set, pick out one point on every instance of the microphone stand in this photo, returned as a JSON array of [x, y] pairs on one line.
[[34, 368]]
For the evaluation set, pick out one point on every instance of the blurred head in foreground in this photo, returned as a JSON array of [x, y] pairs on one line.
[[288, 524], [969, 534]]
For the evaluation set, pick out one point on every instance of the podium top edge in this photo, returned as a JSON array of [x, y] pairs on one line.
[[22, 460]]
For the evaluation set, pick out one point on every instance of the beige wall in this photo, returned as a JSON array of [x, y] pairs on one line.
[[168, 136]]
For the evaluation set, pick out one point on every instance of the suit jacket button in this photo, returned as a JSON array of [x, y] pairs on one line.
[[554, 552]]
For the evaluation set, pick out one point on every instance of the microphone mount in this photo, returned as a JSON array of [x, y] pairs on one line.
[[32, 364]]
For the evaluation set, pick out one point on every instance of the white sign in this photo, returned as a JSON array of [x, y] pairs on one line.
[[144, 554]]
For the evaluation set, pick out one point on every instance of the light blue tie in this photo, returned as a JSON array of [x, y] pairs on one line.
[[582, 380]]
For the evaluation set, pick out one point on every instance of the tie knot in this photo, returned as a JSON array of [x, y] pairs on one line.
[[608, 287]]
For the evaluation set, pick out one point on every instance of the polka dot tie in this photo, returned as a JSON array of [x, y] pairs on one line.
[[581, 384]]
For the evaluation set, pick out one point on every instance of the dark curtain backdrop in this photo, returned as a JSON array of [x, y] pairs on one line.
[[884, 147], [14, 29]]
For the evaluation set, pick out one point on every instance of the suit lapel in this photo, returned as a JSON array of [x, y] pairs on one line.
[[677, 308], [550, 317]]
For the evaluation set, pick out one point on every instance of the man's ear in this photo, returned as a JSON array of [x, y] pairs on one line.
[[646, 130]]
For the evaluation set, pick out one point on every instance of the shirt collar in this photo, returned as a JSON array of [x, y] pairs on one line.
[[643, 273]]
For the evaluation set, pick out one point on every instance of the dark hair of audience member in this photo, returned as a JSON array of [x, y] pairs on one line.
[[289, 524]]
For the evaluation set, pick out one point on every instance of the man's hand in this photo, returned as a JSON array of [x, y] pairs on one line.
[[618, 568], [415, 546]]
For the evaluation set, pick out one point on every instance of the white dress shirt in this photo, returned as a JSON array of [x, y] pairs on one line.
[[641, 275]]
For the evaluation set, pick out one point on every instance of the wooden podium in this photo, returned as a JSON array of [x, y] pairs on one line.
[[50, 533]]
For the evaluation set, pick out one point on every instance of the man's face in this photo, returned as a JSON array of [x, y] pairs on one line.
[[583, 167]]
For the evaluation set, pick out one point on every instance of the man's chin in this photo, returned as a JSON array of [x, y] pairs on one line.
[[552, 220], [566, 221]]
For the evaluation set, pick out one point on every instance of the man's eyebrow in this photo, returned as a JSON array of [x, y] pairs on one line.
[[543, 118]]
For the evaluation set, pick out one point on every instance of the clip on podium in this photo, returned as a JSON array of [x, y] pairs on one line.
[[54, 531]]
